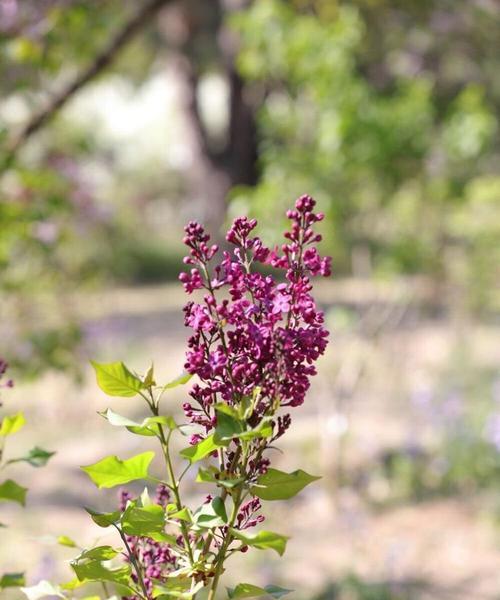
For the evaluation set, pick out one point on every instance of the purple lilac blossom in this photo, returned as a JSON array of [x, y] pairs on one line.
[[268, 333]]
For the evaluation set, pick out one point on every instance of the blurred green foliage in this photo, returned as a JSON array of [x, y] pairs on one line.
[[403, 162]]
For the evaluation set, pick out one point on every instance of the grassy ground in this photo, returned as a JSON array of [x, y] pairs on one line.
[[386, 344]]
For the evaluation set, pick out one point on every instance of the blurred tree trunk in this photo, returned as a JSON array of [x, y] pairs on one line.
[[215, 168]]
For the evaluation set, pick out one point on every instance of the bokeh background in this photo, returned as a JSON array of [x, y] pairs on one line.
[[121, 120]]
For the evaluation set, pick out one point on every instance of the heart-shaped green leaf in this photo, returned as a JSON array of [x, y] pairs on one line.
[[277, 485], [263, 540], [115, 379], [112, 471]]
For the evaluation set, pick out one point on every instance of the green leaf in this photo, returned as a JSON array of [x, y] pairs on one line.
[[180, 380], [201, 449], [150, 425], [277, 485], [37, 457], [104, 519], [143, 521], [263, 430], [98, 553], [247, 590], [42, 590], [115, 379], [64, 540], [93, 570], [263, 540], [11, 491], [228, 424], [149, 378], [11, 580], [211, 514], [208, 476], [147, 427], [182, 515], [12, 424], [111, 471], [176, 587]]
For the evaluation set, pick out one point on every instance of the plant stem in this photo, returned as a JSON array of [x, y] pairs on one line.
[[221, 556], [222, 552], [134, 562], [164, 441]]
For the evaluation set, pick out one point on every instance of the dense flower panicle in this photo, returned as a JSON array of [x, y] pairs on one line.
[[263, 333]]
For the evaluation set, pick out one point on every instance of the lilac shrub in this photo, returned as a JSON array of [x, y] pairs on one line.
[[256, 334]]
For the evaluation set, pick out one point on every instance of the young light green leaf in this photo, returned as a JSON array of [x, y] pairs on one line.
[[176, 587], [11, 491], [11, 580], [145, 498], [149, 378], [181, 515], [98, 553], [150, 425], [212, 514], [180, 380], [263, 540], [143, 521], [263, 430], [247, 590], [115, 379], [201, 449], [64, 540], [43, 589], [12, 424], [111, 471], [93, 570], [104, 519], [146, 428], [208, 476], [277, 485], [36, 457]]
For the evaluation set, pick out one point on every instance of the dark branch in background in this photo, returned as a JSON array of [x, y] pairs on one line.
[[131, 28]]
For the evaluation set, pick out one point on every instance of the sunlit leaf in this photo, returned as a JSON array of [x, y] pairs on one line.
[[143, 521], [112, 471], [93, 570], [115, 379], [277, 485], [180, 380], [201, 449], [100, 553], [104, 519], [247, 590], [263, 540], [43, 589], [12, 424]]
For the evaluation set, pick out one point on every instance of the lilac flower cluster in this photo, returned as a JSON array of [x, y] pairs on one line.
[[264, 334], [155, 559]]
